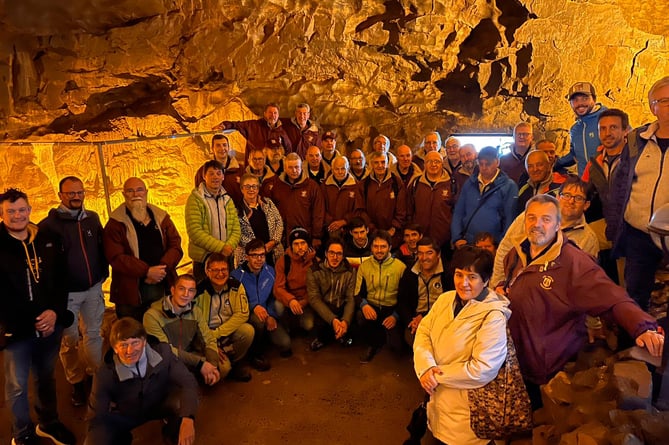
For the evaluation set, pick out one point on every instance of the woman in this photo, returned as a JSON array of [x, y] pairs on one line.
[[259, 218], [461, 345]]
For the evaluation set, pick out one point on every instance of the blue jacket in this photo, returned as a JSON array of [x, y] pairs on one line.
[[584, 136], [498, 208], [258, 287]]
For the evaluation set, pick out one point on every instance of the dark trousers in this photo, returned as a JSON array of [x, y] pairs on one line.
[[642, 258], [324, 330], [149, 293], [375, 334]]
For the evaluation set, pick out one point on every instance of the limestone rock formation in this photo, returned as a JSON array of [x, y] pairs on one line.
[[94, 70]]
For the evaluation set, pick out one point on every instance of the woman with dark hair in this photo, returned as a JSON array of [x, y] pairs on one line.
[[461, 345], [258, 218]]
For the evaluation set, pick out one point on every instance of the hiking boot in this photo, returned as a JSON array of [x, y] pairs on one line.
[[28, 439], [368, 355], [287, 353], [57, 433], [239, 373], [260, 363], [316, 344]]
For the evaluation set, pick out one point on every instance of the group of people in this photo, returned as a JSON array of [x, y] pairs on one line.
[[437, 249]]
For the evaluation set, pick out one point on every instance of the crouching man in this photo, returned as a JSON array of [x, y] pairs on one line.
[[175, 320], [140, 380]]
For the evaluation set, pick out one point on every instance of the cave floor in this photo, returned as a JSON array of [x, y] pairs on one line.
[[324, 397]]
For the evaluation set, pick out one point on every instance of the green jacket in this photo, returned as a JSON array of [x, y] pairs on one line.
[[198, 218], [187, 333], [377, 283], [234, 307], [330, 289]]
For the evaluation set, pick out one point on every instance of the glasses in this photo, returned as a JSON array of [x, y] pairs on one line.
[[250, 186], [575, 198], [433, 161], [664, 102], [73, 194], [255, 255], [218, 271], [132, 344], [335, 254]]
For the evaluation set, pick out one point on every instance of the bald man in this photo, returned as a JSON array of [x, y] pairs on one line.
[[406, 168], [143, 247]]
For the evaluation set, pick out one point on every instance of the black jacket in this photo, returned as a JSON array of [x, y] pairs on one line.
[[407, 293], [81, 238], [23, 296]]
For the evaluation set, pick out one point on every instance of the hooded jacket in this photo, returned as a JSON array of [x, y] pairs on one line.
[[407, 300], [551, 296], [258, 287], [122, 252], [200, 223], [343, 202], [584, 140], [469, 349], [81, 238], [294, 285], [385, 201], [27, 292], [376, 283], [331, 289], [431, 206], [187, 333]]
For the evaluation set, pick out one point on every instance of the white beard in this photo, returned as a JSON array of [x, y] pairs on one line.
[[138, 210]]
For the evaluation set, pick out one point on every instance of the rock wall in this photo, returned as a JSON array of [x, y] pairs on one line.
[[92, 70]]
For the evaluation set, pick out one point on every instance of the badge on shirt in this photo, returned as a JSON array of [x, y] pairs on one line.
[[303, 193], [392, 195], [547, 282], [351, 195]]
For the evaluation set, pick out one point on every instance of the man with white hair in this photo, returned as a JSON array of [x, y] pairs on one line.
[[381, 144], [143, 247]]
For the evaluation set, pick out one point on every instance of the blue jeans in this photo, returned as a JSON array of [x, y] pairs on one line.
[[36, 355]]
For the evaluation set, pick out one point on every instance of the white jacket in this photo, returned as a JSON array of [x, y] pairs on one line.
[[469, 350]]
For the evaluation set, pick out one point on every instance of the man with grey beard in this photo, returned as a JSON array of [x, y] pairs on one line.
[[143, 248]]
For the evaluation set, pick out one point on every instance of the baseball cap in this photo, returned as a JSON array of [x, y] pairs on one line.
[[329, 135], [274, 143], [581, 88]]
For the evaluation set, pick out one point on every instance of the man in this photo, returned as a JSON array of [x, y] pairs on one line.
[[550, 149], [485, 241], [381, 144], [330, 286], [513, 163], [211, 219], [575, 197], [552, 286], [583, 135], [316, 168], [290, 286], [80, 233], [431, 142], [220, 148], [257, 166], [431, 201], [452, 155], [343, 199], [468, 155], [143, 248], [359, 168], [32, 319], [138, 366], [257, 132], [329, 147], [301, 131], [613, 129], [408, 251], [487, 203], [225, 307], [258, 280], [376, 287], [540, 178], [405, 168], [357, 247], [274, 152], [385, 198], [420, 287], [299, 199], [639, 186], [177, 321]]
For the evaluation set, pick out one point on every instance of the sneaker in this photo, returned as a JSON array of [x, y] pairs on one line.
[[57, 433], [260, 363], [239, 373], [346, 341], [28, 439], [316, 344], [79, 396], [368, 355]]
